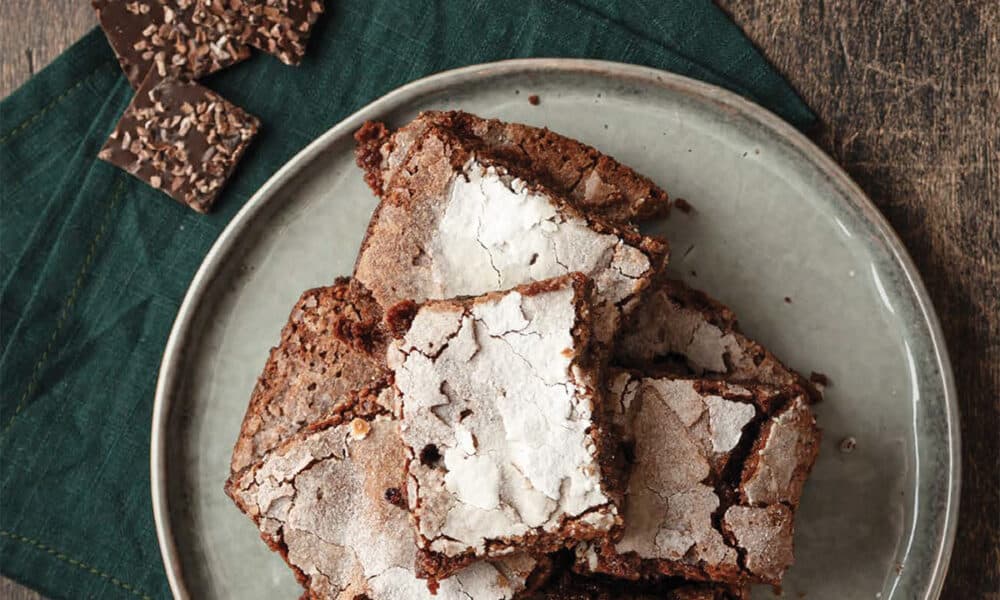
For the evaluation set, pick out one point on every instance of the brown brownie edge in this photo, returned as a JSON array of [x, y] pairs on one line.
[[686, 331], [311, 374], [595, 183], [323, 500], [403, 252]]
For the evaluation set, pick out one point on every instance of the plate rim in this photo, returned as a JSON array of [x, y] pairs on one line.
[[853, 194]]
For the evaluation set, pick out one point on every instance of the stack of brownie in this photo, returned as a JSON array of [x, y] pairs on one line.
[[509, 398], [176, 135]]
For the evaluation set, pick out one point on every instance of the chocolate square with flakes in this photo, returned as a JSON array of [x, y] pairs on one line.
[[278, 27], [171, 37], [182, 138]]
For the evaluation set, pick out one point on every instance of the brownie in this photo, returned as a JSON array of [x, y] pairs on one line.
[[324, 500], [180, 138], [330, 361], [569, 586], [501, 403], [457, 221], [718, 472], [593, 182], [167, 37], [683, 330]]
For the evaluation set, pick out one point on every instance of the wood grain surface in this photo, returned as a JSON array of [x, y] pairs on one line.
[[908, 96]]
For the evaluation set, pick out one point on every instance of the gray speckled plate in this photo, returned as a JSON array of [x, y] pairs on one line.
[[774, 218]]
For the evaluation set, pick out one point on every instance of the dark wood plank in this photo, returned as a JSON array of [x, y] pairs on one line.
[[32, 33], [908, 96]]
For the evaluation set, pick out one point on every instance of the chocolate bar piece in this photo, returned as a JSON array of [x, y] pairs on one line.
[[169, 37], [181, 138], [278, 27]]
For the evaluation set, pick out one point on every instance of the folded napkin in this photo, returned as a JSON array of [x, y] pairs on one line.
[[95, 264]]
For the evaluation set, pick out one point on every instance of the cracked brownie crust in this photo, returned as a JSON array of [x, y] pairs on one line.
[[455, 222], [685, 331], [718, 472], [501, 401], [484, 425], [329, 362], [593, 182], [325, 501]]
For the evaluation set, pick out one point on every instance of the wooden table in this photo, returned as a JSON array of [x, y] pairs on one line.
[[909, 100]]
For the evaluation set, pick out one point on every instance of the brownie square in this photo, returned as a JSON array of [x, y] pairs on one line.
[[594, 183], [181, 138], [331, 501], [683, 330], [502, 410], [456, 221], [330, 360], [167, 37], [566, 585], [718, 472]]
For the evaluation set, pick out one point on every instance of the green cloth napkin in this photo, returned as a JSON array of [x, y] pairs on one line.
[[95, 264]]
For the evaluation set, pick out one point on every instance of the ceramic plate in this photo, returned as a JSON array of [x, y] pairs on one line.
[[774, 219]]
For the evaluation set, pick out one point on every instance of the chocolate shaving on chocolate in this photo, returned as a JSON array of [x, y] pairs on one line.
[[181, 138], [168, 37], [278, 27]]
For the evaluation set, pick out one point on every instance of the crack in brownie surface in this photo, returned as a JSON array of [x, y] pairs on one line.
[[313, 374], [319, 499], [457, 222], [500, 399], [687, 331], [718, 471], [593, 182]]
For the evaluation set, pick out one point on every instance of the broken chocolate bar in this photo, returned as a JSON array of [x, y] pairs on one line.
[[278, 27], [181, 138], [167, 37]]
